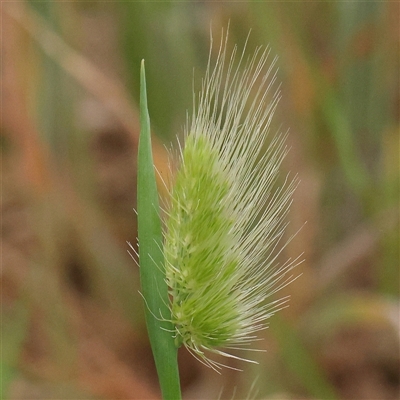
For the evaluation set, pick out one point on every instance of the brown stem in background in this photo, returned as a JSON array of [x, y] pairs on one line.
[[111, 93], [355, 247]]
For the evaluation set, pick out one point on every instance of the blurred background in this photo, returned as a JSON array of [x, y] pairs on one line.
[[72, 317]]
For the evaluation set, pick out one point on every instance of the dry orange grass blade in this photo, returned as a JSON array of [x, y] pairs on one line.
[[16, 121]]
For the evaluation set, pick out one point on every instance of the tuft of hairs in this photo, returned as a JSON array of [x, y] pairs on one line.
[[226, 210]]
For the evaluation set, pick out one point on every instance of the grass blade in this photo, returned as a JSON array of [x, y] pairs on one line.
[[151, 259]]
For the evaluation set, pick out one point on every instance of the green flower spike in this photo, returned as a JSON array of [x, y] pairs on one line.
[[225, 218]]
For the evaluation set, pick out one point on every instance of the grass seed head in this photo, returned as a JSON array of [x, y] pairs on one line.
[[226, 213]]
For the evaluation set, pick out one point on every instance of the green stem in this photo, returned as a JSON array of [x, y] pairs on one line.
[[151, 259]]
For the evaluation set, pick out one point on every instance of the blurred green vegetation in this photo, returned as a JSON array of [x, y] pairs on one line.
[[72, 317]]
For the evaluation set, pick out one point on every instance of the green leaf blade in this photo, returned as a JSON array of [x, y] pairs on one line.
[[151, 260]]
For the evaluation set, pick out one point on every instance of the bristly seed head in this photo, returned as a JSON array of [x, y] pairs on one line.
[[225, 224]]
